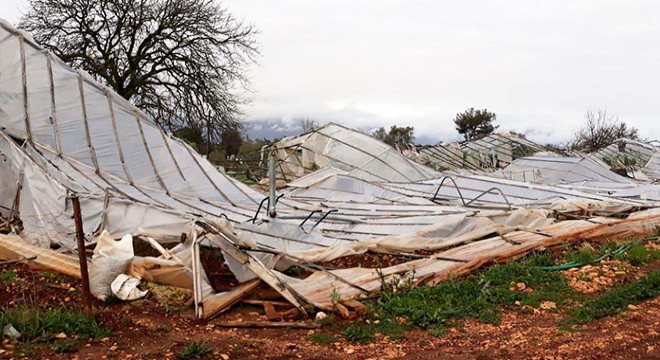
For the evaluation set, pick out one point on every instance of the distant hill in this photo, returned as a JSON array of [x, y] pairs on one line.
[[271, 129]]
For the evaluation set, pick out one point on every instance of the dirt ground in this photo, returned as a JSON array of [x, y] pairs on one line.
[[147, 329]]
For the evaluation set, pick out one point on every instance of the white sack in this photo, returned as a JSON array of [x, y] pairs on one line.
[[111, 258]]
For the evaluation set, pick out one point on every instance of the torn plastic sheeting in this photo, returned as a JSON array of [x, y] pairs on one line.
[[449, 230], [125, 288], [319, 287], [347, 150]]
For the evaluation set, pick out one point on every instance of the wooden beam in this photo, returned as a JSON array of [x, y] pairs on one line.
[[219, 303]]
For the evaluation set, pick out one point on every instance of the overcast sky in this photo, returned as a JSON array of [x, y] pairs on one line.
[[539, 65]]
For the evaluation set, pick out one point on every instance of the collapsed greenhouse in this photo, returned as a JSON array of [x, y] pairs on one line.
[[65, 136]]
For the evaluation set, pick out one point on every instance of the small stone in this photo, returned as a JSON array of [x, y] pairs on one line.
[[61, 336], [548, 305], [632, 307], [224, 356], [350, 351]]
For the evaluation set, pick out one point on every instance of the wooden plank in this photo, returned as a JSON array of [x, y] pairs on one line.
[[218, 303], [14, 247], [271, 313], [223, 241], [358, 306], [261, 302]]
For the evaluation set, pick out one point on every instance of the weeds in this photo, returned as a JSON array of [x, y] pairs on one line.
[[293, 271], [36, 323], [321, 338], [638, 255], [477, 296], [64, 346], [53, 276], [618, 299], [171, 310], [195, 350], [359, 333], [7, 276]]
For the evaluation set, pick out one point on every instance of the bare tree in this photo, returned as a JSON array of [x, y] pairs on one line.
[[180, 61], [600, 130], [308, 125]]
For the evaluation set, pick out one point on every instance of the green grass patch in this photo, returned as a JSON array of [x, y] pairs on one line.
[[638, 255], [483, 295], [195, 350], [7, 276], [617, 300], [172, 310], [53, 276], [360, 333], [64, 346], [321, 338], [478, 296], [293, 271], [35, 323]]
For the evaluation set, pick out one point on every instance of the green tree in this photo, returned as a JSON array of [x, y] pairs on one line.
[[397, 136], [231, 141], [475, 123]]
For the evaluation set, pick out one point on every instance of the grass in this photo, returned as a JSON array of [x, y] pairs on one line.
[[638, 255], [321, 338], [171, 310], [478, 296], [359, 333], [64, 346], [483, 295], [53, 276], [7, 276], [195, 350], [40, 324], [293, 271], [618, 299]]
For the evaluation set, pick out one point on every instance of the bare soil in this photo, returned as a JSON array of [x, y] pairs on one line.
[[149, 329]]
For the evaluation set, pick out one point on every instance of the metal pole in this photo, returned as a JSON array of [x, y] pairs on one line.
[[273, 186], [80, 238]]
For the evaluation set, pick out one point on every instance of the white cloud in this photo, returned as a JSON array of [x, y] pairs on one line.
[[538, 64]]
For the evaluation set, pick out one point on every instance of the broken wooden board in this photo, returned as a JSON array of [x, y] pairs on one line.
[[271, 313], [224, 241], [13, 247], [219, 303]]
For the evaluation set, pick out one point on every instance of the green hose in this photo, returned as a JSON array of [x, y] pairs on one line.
[[572, 264]]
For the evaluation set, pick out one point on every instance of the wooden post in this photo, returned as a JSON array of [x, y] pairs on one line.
[[80, 238]]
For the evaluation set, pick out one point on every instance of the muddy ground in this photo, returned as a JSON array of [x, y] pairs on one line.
[[152, 329]]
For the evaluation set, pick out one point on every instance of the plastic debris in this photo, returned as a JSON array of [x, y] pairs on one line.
[[126, 288]]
